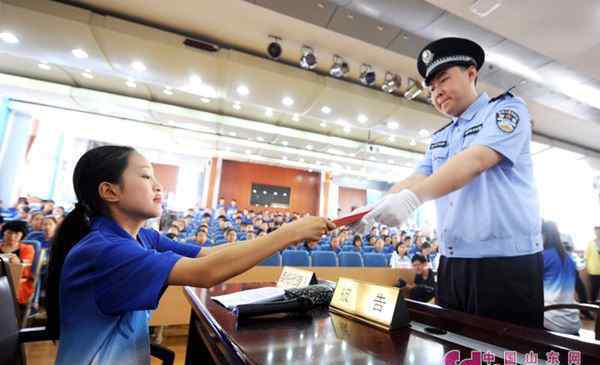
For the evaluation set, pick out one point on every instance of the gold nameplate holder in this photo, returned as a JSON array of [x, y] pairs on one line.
[[293, 278], [376, 305]]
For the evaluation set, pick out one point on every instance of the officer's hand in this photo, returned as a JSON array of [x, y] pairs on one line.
[[394, 209]]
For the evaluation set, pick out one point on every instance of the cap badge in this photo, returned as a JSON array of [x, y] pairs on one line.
[[427, 57]]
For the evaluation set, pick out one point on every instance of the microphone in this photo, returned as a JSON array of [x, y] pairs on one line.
[[296, 301]]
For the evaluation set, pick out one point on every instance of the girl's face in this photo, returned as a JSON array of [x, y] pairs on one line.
[[12, 238], [402, 249], [140, 194], [36, 222], [49, 228]]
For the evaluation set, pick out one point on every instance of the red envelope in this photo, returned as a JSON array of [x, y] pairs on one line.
[[350, 218]]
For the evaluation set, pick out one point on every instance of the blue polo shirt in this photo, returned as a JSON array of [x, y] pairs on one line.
[[109, 282], [497, 213]]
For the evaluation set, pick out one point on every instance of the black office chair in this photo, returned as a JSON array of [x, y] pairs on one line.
[[581, 307], [12, 337]]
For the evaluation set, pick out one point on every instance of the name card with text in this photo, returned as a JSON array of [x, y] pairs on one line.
[[292, 278], [381, 306]]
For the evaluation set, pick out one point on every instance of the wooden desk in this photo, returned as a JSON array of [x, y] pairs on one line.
[[320, 337]]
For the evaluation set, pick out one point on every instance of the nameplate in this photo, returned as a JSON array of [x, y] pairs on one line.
[[381, 306], [292, 278]]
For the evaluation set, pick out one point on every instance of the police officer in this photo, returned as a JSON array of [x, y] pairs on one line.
[[478, 169]]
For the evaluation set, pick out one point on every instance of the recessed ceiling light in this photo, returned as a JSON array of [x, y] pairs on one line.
[[362, 119], [318, 162], [205, 100], [287, 101], [320, 5], [237, 106], [350, 16], [352, 154], [260, 139], [347, 129], [284, 157], [130, 84], [309, 147], [301, 159], [413, 142], [79, 53], [243, 90], [44, 66], [391, 161], [227, 148], [310, 170], [380, 28], [269, 112], [408, 164], [424, 133], [233, 134], [87, 75], [393, 125], [138, 66], [285, 143], [323, 125], [372, 158], [296, 117], [392, 138], [325, 110], [8, 37], [248, 152], [168, 91]]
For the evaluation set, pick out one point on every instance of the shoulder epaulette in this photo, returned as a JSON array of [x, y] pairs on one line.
[[502, 96], [444, 127]]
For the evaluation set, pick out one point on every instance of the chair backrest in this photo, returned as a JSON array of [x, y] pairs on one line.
[[10, 350], [375, 260], [351, 259], [295, 258], [35, 235], [324, 258], [388, 257], [368, 248], [348, 248], [325, 247], [37, 248], [273, 260]]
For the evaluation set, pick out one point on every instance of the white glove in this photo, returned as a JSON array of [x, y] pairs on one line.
[[393, 209]]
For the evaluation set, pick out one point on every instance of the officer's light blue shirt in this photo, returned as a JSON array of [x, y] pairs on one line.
[[497, 213], [108, 283]]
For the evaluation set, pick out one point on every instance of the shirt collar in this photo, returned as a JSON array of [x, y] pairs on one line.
[[472, 110], [106, 224]]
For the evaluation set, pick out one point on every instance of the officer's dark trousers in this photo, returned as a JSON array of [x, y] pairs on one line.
[[509, 289]]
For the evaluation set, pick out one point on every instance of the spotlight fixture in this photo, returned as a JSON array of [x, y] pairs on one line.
[[339, 67], [414, 89], [367, 74], [274, 48], [308, 59], [391, 82]]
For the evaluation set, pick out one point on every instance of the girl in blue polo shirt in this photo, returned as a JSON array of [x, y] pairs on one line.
[[106, 271]]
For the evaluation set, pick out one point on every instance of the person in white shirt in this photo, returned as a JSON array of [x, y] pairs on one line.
[[400, 258]]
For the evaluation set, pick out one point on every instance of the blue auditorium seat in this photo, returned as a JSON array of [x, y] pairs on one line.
[[374, 260], [325, 247], [352, 259], [388, 257], [324, 258], [368, 248], [273, 260], [348, 248], [35, 235], [295, 258]]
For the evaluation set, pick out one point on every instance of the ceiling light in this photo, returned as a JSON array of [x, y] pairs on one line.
[[284, 158], [233, 134], [391, 82], [274, 49], [380, 28], [248, 152], [310, 170], [347, 129], [237, 106], [318, 162], [334, 151], [197, 87], [205, 100], [323, 125], [260, 139], [393, 124], [243, 90], [320, 5], [391, 162], [339, 67], [138, 66], [269, 112], [8, 37], [301, 159], [44, 66], [308, 60], [87, 75], [130, 84], [372, 158], [367, 74], [408, 164], [325, 110], [352, 154], [424, 133], [483, 8], [362, 118], [414, 89], [285, 143], [168, 91], [392, 138], [79, 53], [228, 149], [309, 147], [413, 142], [287, 101], [296, 117]]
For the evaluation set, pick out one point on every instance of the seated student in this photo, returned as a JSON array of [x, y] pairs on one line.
[[47, 207], [372, 240], [423, 288], [384, 232], [202, 238], [372, 233], [250, 236], [49, 228], [559, 282], [311, 246], [106, 271], [396, 239], [12, 234], [261, 233], [336, 244], [426, 250], [59, 214], [172, 232], [387, 240], [220, 203], [24, 213], [230, 235], [379, 245], [357, 242], [36, 221], [400, 258]]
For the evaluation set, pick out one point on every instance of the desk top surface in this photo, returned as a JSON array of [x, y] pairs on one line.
[[321, 337]]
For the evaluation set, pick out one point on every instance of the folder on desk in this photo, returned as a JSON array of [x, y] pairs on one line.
[[250, 296]]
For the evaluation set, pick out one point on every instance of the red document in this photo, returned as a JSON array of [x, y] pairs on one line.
[[350, 218]]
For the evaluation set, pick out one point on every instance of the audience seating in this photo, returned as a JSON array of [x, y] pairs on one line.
[[273, 260], [375, 260], [351, 259], [324, 258], [295, 258]]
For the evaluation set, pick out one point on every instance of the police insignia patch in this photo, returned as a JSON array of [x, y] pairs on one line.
[[507, 120], [427, 57]]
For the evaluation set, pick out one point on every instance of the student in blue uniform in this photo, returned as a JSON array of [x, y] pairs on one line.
[[107, 271], [478, 169]]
